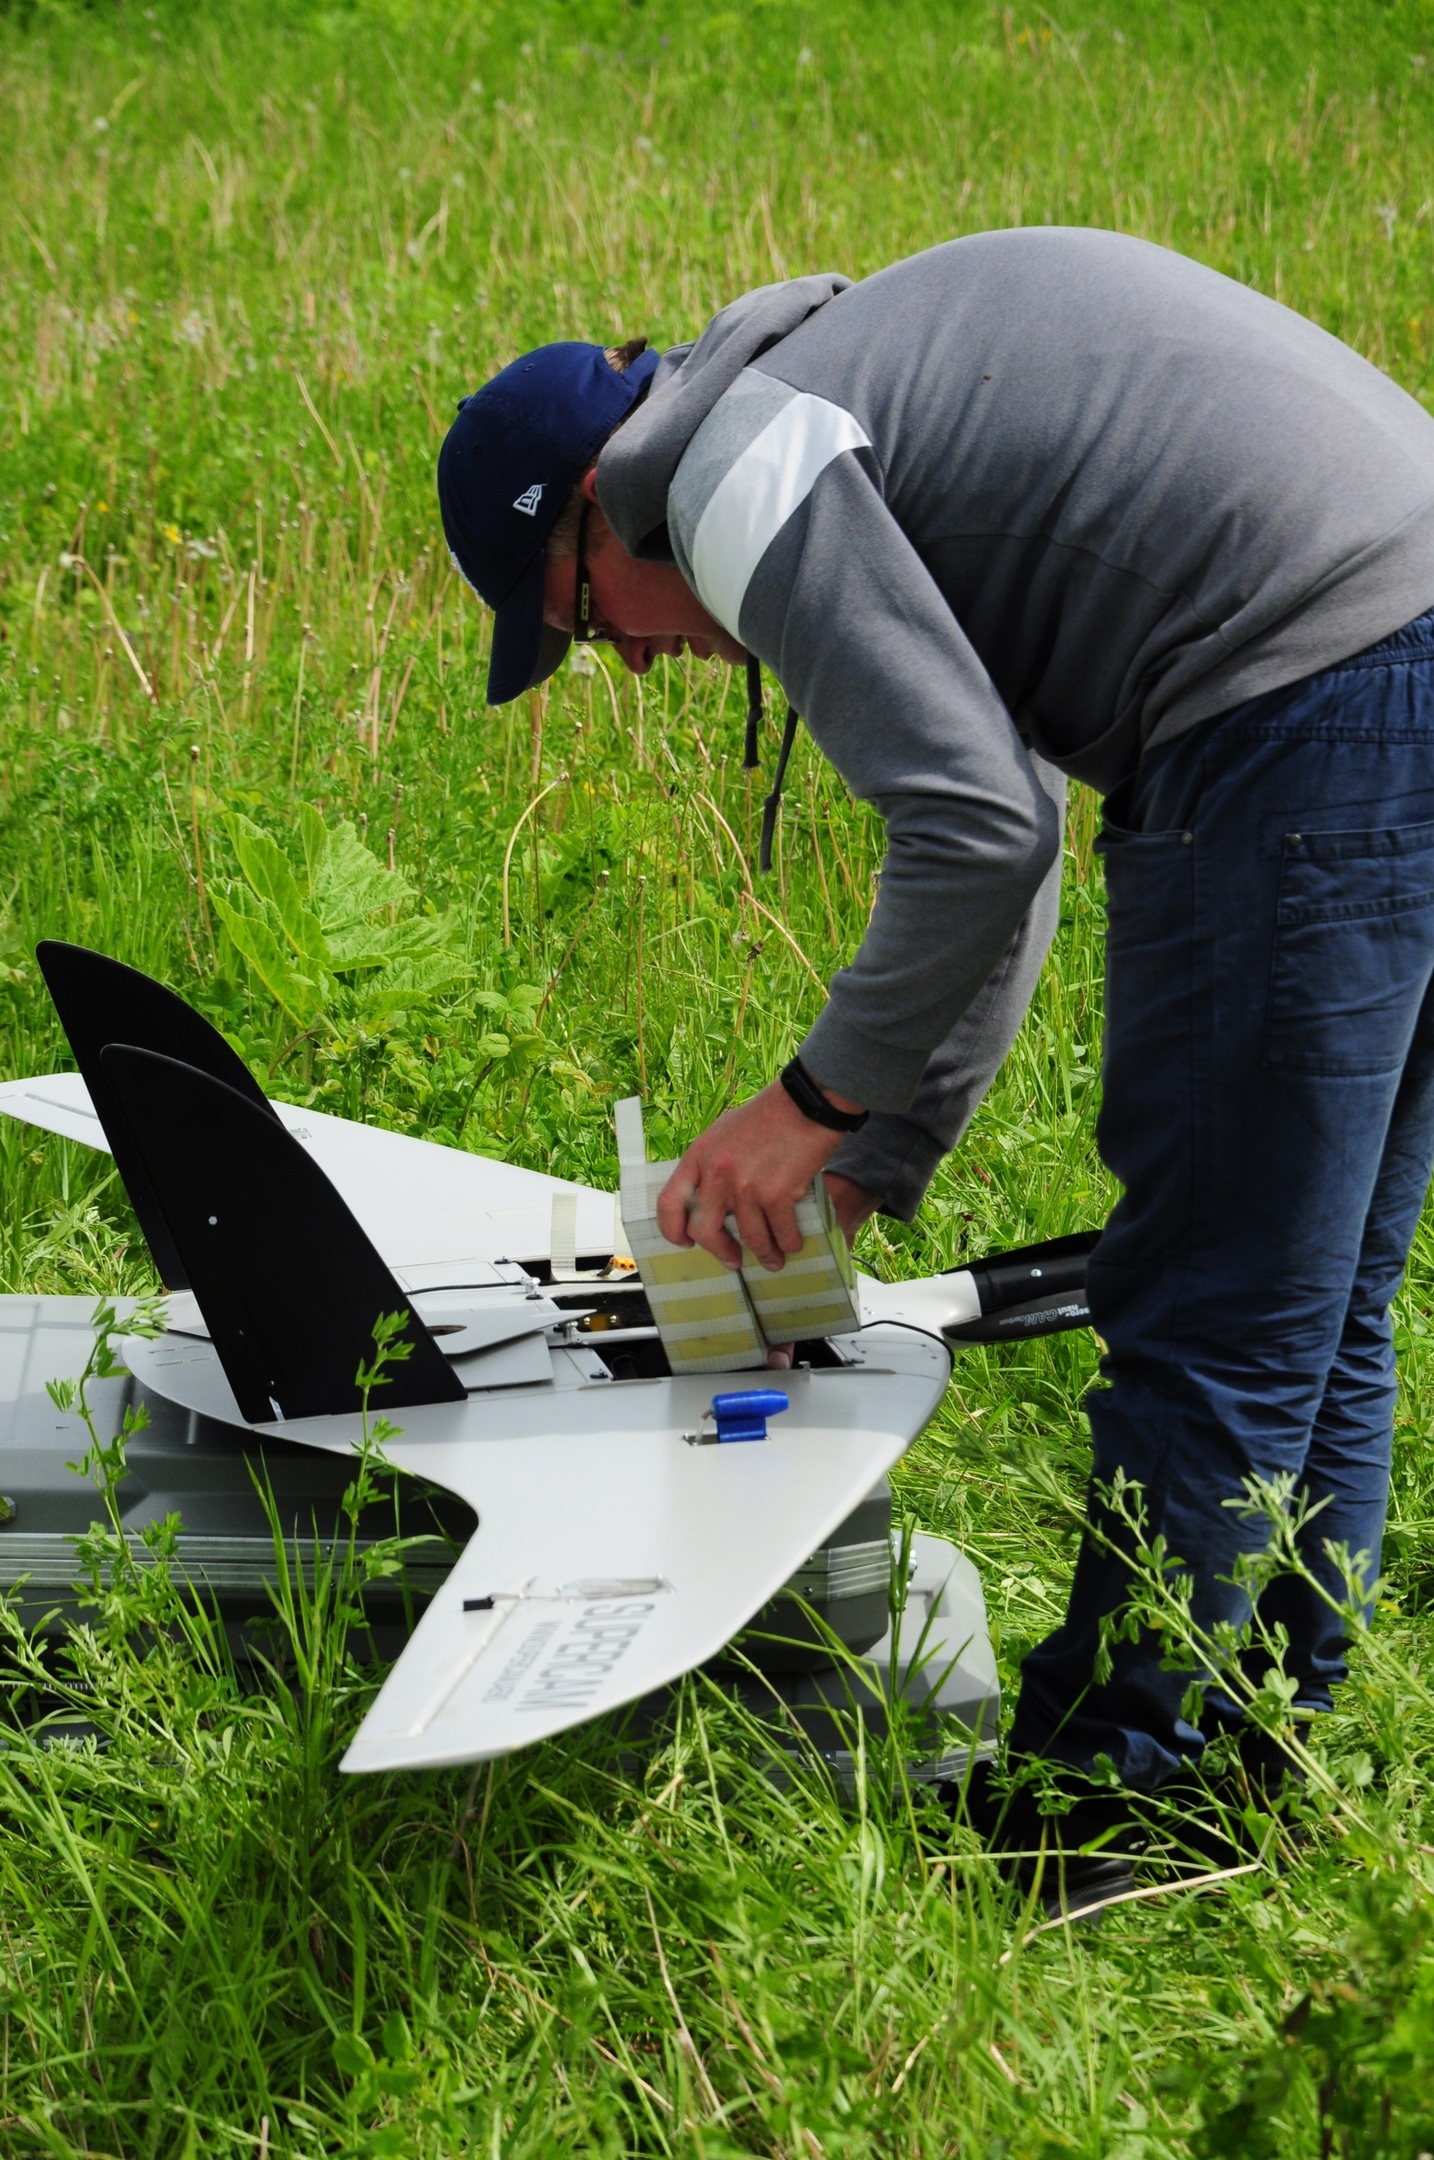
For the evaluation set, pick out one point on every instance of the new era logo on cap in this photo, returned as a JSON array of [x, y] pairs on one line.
[[529, 500]]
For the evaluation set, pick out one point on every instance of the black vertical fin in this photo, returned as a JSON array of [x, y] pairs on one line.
[[100, 1001], [286, 1278]]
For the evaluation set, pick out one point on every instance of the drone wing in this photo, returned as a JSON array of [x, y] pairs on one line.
[[612, 1554], [58, 1103], [429, 1209]]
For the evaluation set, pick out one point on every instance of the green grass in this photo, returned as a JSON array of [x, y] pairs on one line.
[[251, 256]]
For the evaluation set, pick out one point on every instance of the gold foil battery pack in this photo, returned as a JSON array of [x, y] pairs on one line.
[[815, 1293], [702, 1311]]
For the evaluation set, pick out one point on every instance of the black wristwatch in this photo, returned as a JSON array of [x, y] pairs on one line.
[[813, 1104]]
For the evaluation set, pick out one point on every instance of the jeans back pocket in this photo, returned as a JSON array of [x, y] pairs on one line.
[[1353, 949]]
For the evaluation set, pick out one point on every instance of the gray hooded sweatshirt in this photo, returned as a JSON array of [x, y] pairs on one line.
[[1029, 504]]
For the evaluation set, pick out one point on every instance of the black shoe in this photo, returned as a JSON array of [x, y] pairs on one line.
[[1248, 1809], [1075, 1862], [1265, 1765]]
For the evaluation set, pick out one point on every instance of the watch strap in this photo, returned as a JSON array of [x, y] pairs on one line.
[[813, 1104]]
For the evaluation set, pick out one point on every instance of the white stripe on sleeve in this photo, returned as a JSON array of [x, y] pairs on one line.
[[758, 493]]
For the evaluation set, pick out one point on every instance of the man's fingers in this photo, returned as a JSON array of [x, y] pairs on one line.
[[707, 1224], [782, 1216], [779, 1357], [673, 1203], [770, 1232], [756, 1234]]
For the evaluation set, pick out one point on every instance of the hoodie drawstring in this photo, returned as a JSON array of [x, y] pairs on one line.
[[773, 802], [751, 762]]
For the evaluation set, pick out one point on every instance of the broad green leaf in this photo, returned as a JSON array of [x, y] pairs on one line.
[[409, 982], [259, 941], [301, 946], [368, 945], [266, 867], [397, 2039], [352, 2054], [244, 902], [562, 1069], [351, 883], [525, 1046], [314, 838]]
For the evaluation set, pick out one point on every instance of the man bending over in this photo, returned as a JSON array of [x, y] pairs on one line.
[[1040, 503]]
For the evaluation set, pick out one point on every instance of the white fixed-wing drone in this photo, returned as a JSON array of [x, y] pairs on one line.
[[622, 1539]]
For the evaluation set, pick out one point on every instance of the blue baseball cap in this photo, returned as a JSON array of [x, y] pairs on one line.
[[508, 465]]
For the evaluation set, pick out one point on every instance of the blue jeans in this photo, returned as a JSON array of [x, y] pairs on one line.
[[1269, 1109]]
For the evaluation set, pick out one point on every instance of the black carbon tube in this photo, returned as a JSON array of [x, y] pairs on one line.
[[1033, 1290]]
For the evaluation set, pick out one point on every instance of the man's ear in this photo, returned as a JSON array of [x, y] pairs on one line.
[[588, 483]]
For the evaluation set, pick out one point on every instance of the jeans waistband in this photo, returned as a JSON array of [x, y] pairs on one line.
[[1414, 642]]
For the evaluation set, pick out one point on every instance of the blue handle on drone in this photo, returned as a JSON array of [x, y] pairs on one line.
[[744, 1416]]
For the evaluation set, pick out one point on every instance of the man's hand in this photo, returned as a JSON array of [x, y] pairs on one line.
[[852, 1203], [755, 1163]]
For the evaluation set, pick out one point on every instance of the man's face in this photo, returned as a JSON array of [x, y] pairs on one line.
[[642, 608]]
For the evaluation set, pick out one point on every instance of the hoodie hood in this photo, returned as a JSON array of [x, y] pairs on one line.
[[636, 468]]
